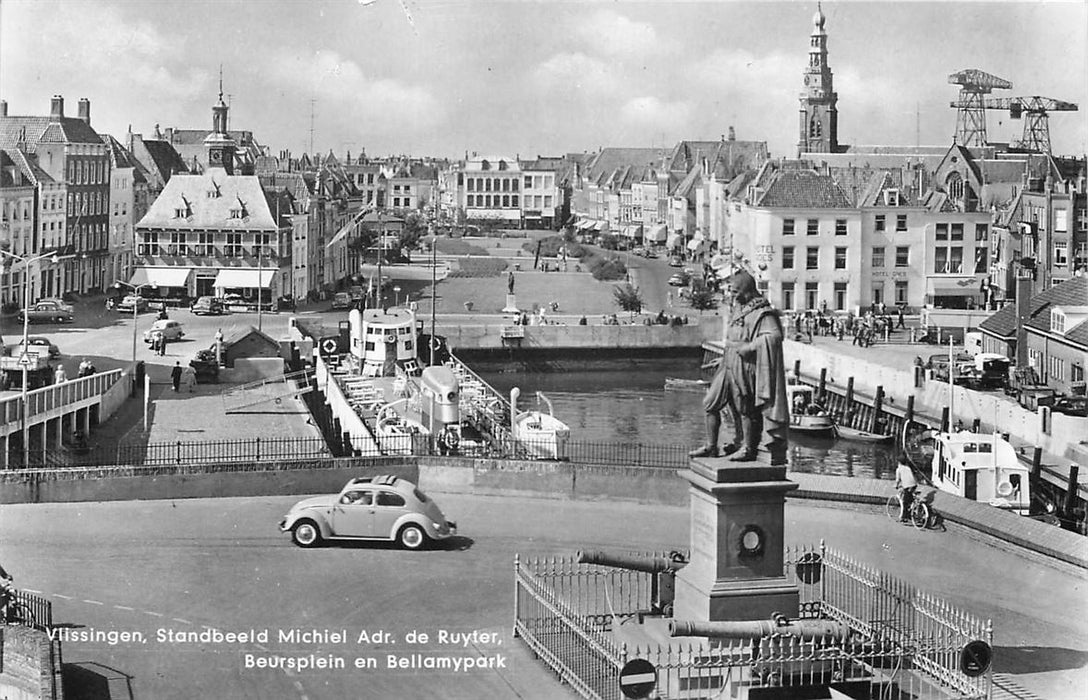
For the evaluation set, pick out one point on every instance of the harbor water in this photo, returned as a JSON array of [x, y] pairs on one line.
[[629, 404]]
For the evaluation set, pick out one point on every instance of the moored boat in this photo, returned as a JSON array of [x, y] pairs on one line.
[[678, 384], [981, 467], [807, 416], [540, 434], [847, 433]]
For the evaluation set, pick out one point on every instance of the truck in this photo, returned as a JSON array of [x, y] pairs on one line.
[[39, 372], [1030, 392]]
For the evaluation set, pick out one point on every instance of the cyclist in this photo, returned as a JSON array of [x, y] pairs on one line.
[[906, 485], [7, 593]]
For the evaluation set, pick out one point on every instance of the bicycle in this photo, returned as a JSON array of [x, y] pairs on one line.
[[12, 610], [921, 514]]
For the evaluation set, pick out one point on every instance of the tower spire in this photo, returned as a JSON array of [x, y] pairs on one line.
[[818, 127]]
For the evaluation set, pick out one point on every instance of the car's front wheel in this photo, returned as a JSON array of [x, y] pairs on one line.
[[412, 537], [305, 533]]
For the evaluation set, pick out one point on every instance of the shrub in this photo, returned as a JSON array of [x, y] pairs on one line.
[[703, 299], [607, 269], [628, 297], [479, 267], [455, 246], [549, 247]]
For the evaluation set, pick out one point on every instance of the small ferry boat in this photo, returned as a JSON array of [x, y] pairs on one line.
[[981, 467], [807, 416], [845, 432], [541, 434]]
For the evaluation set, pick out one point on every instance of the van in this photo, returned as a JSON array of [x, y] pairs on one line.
[[341, 300]]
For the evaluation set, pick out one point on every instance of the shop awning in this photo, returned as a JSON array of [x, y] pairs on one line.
[[964, 286], [584, 224], [695, 243], [161, 276], [245, 278], [656, 234], [601, 226], [674, 241], [634, 231]]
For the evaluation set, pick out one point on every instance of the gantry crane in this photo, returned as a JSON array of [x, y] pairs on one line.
[[971, 117], [1036, 122]]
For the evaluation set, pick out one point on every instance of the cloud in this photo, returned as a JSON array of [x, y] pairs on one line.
[[612, 34], [86, 47], [651, 113], [382, 103], [565, 72]]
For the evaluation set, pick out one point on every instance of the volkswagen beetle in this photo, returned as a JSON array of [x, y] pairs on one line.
[[382, 507]]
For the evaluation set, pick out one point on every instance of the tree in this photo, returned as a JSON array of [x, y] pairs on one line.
[[628, 298], [702, 299]]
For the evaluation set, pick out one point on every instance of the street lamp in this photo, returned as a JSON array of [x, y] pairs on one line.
[[396, 296], [135, 310], [24, 360]]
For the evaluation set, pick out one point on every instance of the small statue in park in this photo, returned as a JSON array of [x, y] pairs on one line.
[[510, 283], [750, 383]]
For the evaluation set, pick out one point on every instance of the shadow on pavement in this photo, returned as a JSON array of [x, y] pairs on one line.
[[89, 680], [453, 544], [1035, 659]]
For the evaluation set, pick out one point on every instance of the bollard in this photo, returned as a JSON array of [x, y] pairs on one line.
[[797, 369], [1036, 466], [1071, 489], [877, 401], [912, 335], [823, 384], [849, 413]]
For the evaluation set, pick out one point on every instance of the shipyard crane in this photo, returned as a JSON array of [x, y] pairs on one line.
[[971, 117], [1036, 122]]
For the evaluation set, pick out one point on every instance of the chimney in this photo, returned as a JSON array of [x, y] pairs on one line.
[[85, 110], [56, 108], [3, 108], [1023, 312]]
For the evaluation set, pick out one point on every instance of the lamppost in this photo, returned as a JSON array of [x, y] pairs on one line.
[[24, 360], [396, 296], [135, 310]]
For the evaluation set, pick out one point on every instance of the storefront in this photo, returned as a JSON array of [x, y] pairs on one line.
[[173, 284], [248, 283]]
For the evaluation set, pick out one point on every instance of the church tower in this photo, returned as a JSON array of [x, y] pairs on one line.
[[819, 118], [220, 145]]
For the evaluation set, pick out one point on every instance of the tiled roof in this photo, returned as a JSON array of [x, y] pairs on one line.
[[690, 182], [1002, 170], [802, 189], [119, 155], [28, 166], [610, 159], [67, 130], [1078, 334], [191, 192], [165, 158], [1073, 292]]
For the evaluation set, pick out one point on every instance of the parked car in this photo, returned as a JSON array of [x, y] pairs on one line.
[[382, 507], [171, 330], [58, 302], [676, 261], [207, 306], [133, 301], [1071, 406], [341, 300], [680, 279], [47, 311], [37, 345]]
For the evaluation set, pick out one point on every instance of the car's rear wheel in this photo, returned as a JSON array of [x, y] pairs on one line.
[[412, 537], [305, 533]]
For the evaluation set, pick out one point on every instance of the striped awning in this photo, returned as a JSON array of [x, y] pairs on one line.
[[161, 276]]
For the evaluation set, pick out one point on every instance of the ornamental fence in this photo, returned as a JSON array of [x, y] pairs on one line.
[[904, 643]]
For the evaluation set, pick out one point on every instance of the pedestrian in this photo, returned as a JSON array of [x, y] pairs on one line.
[[60, 375], [175, 375], [901, 324], [162, 344], [906, 484], [83, 364], [188, 378]]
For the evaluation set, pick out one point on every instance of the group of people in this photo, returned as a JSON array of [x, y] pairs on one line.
[[183, 376], [863, 330]]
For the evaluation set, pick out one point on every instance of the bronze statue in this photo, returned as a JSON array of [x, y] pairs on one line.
[[751, 380]]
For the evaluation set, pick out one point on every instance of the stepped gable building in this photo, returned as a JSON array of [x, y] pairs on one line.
[[69, 150], [217, 232]]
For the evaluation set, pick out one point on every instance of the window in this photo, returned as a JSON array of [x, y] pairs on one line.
[[879, 223], [203, 244], [840, 296], [941, 233], [812, 258], [901, 287], [233, 248], [878, 256], [812, 294], [957, 232], [528, 181], [1057, 368], [902, 256], [1057, 321], [813, 227], [1076, 372], [982, 233], [385, 498], [901, 222], [1061, 220], [955, 260], [1061, 253], [840, 227], [150, 245], [840, 258], [982, 259], [940, 260], [787, 295], [787, 227], [878, 293], [177, 244], [787, 258]]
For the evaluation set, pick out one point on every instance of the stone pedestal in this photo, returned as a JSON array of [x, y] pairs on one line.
[[737, 526], [511, 304]]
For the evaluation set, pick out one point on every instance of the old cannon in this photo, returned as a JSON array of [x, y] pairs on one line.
[[757, 629], [663, 567]]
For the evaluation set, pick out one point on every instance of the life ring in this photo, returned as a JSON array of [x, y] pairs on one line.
[[329, 346], [1005, 489], [450, 440], [390, 338]]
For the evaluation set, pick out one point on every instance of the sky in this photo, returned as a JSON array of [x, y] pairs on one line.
[[527, 78]]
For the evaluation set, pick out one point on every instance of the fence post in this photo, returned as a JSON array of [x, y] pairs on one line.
[[823, 384], [877, 401], [257, 449], [850, 401], [177, 457], [517, 591]]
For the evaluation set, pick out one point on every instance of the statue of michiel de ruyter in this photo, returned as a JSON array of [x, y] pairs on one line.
[[750, 383]]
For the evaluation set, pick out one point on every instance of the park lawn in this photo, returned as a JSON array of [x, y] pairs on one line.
[[575, 292]]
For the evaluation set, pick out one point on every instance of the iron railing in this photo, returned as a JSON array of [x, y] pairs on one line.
[[28, 609], [178, 452], [904, 642]]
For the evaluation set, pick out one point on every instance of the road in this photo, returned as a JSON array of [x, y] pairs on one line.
[[183, 565]]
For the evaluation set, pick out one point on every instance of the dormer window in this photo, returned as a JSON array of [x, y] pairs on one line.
[[502, 165], [1057, 321], [891, 197], [236, 213], [485, 165]]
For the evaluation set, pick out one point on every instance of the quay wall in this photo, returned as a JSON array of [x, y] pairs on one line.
[[1056, 434]]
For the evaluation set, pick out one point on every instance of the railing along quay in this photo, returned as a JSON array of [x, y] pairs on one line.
[[904, 642]]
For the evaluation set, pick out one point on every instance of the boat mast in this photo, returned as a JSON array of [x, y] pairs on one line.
[[951, 385]]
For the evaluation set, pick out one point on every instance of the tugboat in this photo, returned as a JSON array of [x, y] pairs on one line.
[[806, 415], [983, 468], [541, 434]]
